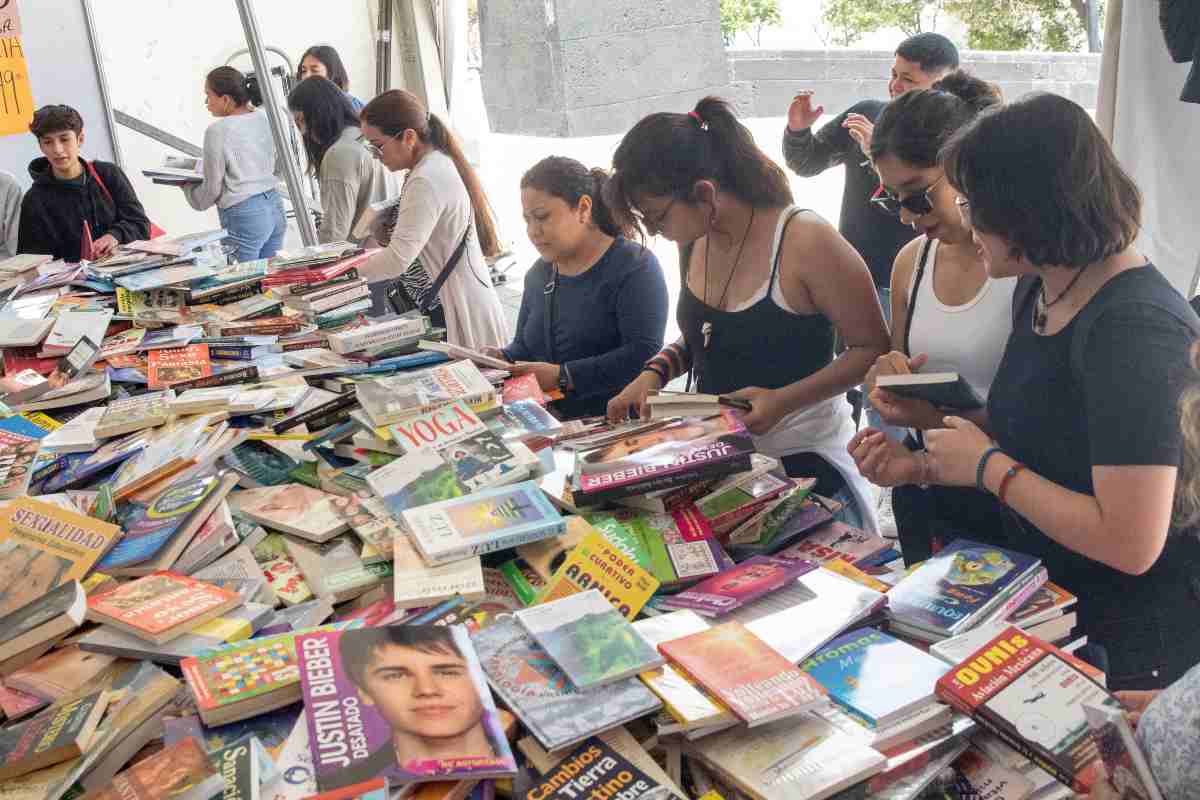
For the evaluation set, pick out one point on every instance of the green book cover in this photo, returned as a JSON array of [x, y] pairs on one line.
[[521, 581], [306, 473], [729, 500], [263, 463], [623, 537]]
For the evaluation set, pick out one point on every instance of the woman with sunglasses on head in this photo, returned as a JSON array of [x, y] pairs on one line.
[[349, 178], [322, 61], [441, 229], [764, 286], [1082, 443], [595, 303], [948, 315]]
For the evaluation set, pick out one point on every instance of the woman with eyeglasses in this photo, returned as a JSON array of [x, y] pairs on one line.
[[764, 285], [441, 230], [349, 178], [595, 304], [948, 315], [1082, 443]]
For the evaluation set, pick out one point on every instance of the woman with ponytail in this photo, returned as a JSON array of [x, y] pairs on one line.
[[239, 168], [595, 303], [764, 287], [443, 223]]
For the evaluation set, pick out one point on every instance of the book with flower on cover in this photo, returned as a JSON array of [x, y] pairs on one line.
[[757, 683], [162, 606]]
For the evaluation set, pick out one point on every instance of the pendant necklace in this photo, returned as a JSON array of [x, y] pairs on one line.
[[1041, 310], [707, 327]]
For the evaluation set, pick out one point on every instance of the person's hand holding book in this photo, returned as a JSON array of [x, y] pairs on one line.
[[906, 412]]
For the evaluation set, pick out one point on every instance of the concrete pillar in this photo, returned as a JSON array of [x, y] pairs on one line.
[[595, 67]]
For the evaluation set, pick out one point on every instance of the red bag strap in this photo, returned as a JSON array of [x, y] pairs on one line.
[[100, 181]]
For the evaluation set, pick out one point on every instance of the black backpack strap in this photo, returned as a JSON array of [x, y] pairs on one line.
[[922, 261], [455, 257]]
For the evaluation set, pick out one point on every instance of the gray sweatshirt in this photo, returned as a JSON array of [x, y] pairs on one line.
[[239, 161], [350, 181]]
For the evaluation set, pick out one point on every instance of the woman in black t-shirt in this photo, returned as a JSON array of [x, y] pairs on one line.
[[1083, 415]]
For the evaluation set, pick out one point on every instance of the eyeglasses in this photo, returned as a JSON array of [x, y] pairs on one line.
[[377, 150], [654, 226], [918, 203], [964, 209]]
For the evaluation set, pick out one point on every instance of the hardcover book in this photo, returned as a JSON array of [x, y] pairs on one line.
[[162, 606], [1032, 696], [679, 452], [356, 682], [60, 733], [596, 564], [292, 508], [942, 389], [757, 683], [732, 588], [958, 587], [539, 693], [43, 546], [876, 678], [589, 639], [397, 397], [136, 413], [180, 771], [489, 520]]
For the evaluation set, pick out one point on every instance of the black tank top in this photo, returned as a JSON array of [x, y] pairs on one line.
[[763, 345]]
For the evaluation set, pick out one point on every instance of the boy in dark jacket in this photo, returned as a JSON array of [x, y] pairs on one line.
[[69, 192]]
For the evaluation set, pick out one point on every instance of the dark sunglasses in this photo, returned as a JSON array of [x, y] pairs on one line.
[[917, 203]]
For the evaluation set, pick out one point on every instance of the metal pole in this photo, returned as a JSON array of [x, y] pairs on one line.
[[105, 98], [1093, 26], [304, 220]]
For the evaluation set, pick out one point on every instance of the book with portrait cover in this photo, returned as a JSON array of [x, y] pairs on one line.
[[19, 443], [756, 682], [589, 639], [489, 520], [404, 702], [43, 546], [162, 606], [180, 771], [733, 588], [1032, 696], [543, 698], [679, 452]]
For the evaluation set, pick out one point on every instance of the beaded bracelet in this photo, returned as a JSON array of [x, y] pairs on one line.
[[983, 459]]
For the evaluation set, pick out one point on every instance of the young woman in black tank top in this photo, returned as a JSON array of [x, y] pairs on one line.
[[700, 180]]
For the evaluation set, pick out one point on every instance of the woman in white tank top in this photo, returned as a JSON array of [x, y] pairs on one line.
[[947, 314]]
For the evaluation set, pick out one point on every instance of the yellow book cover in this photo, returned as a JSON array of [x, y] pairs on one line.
[[596, 564], [43, 546], [848, 570]]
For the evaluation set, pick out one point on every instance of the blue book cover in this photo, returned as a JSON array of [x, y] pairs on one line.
[[946, 593], [149, 528], [875, 677], [22, 427], [79, 467]]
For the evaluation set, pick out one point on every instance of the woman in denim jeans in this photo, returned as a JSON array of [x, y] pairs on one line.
[[240, 164]]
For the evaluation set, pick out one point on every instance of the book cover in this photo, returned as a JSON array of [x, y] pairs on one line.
[[17, 705], [489, 520], [17, 454], [1048, 602], [943, 389], [477, 455], [292, 508], [589, 639], [61, 732], [684, 700], [732, 588], [181, 771], [417, 585], [55, 612], [678, 546], [595, 764], [177, 364], [235, 625], [596, 564], [135, 413], [518, 419], [244, 766], [418, 479], [405, 702], [756, 682], [837, 540], [678, 452], [161, 606], [1032, 696], [397, 397], [539, 693], [79, 468], [59, 673], [71, 326], [1128, 771], [987, 778], [954, 588], [877, 678], [43, 546]]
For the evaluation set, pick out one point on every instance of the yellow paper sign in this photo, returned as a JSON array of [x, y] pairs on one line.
[[16, 98]]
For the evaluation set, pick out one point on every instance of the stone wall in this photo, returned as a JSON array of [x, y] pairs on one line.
[[764, 81], [593, 67]]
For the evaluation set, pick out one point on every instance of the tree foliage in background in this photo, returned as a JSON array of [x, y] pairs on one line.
[[748, 16], [991, 24]]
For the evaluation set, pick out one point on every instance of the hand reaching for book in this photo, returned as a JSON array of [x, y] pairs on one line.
[[632, 398], [546, 374], [766, 409], [494, 352]]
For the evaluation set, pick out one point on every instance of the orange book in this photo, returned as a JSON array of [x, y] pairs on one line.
[[161, 606], [176, 364], [755, 681]]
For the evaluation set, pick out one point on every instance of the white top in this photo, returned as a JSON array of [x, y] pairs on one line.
[[10, 214], [433, 214], [350, 180], [968, 339], [239, 161]]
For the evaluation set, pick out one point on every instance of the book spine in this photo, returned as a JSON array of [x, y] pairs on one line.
[[267, 311], [287, 347], [250, 329], [225, 295], [231, 352], [501, 542], [336, 417], [240, 375], [313, 288], [351, 341], [334, 405]]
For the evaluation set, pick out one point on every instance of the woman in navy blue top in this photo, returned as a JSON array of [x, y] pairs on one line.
[[595, 303]]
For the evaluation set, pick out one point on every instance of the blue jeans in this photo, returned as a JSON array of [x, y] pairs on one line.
[[256, 226], [873, 418]]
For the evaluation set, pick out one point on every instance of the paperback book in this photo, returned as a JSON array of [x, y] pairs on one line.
[[943, 389], [392, 399], [596, 564], [135, 413], [292, 508], [60, 733], [1126, 765], [594, 764], [181, 771], [836, 541], [732, 588], [589, 639], [162, 606], [686, 702], [81, 468], [45, 619], [478, 456], [235, 625], [417, 585]]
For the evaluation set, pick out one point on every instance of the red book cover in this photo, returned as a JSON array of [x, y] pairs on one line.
[[1032, 695], [178, 364], [756, 682], [17, 359], [522, 387], [160, 602], [837, 540], [316, 274]]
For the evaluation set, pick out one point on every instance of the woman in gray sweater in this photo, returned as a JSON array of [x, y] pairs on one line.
[[350, 179], [240, 165]]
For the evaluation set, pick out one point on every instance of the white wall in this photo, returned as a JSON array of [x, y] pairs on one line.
[[157, 53]]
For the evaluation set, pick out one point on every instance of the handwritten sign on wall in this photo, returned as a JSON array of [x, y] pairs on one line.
[[16, 98]]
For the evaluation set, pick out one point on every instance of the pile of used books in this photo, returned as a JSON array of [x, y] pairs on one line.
[[256, 544]]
